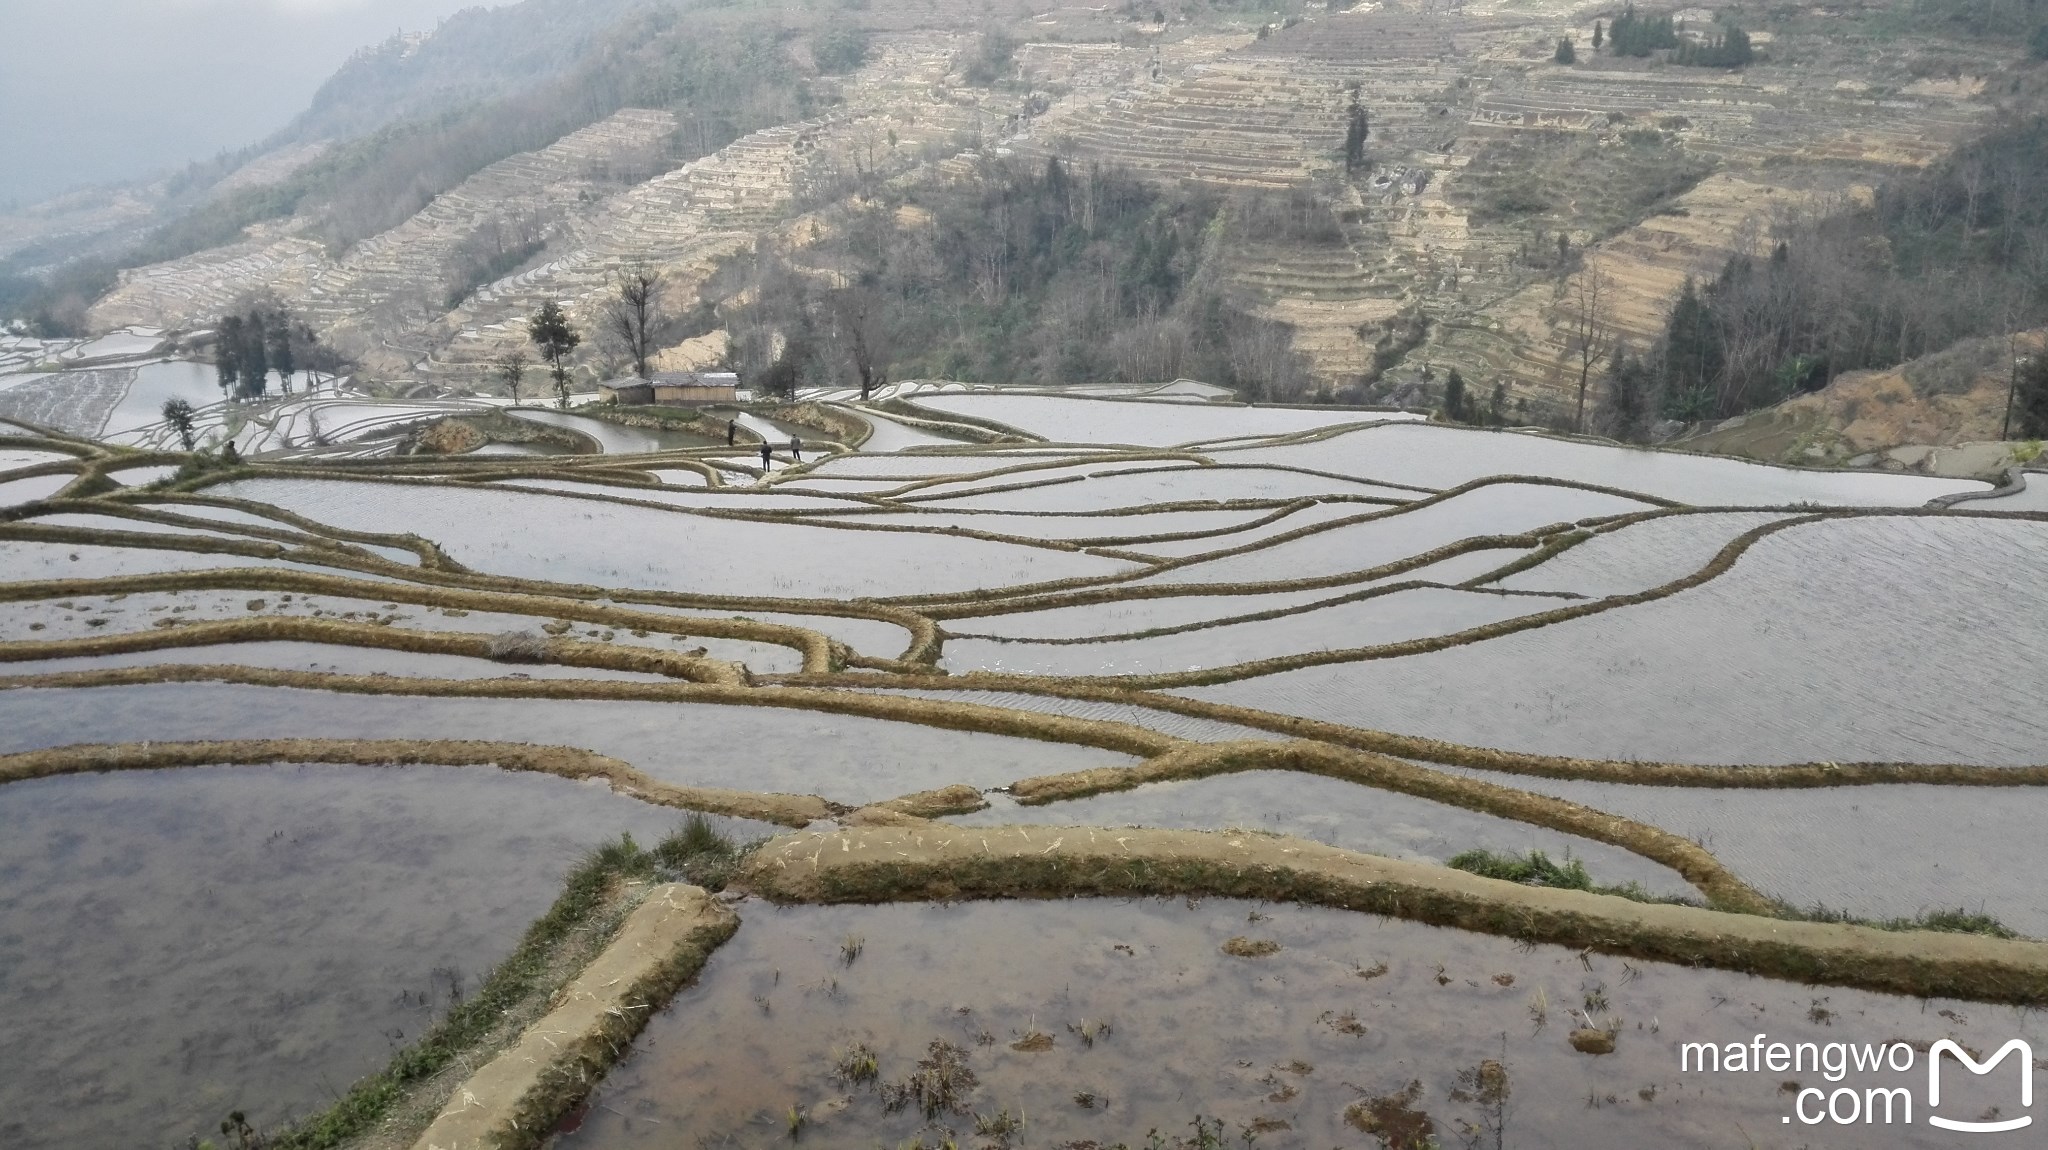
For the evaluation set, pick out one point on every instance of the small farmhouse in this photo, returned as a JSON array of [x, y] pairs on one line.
[[673, 389]]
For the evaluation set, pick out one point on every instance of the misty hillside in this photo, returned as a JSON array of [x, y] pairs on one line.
[[475, 56], [1302, 203]]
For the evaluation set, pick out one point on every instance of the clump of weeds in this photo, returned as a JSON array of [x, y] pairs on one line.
[[940, 1085], [998, 1128], [857, 1064], [696, 853]]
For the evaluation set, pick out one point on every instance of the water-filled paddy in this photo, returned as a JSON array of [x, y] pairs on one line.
[[145, 526], [994, 473], [1398, 617], [32, 488], [585, 541], [1333, 811], [1129, 616], [1135, 489], [534, 449], [1639, 556], [1093, 526], [157, 384], [1875, 852], [178, 944], [615, 438], [1350, 1008], [1296, 520], [1859, 640], [2033, 497], [1076, 420], [79, 615], [1434, 456], [1498, 509], [329, 659], [842, 757], [12, 459], [25, 561], [891, 435], [142, 476], [909, 468], [1165, 722]]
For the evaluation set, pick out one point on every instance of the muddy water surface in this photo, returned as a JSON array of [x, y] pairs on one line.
[[178, 944], [1151, 1023], [850, 759]]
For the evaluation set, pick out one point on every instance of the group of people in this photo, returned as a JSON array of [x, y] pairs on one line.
[[796, 445]]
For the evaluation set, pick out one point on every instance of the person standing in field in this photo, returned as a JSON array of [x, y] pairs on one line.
[[766, 455], [796, 449]]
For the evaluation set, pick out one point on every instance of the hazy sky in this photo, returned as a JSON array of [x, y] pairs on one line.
[[97, 90]]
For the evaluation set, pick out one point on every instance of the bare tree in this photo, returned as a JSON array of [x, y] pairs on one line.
[[858, 314], [629, 315], [511, 370], [1591, 329]]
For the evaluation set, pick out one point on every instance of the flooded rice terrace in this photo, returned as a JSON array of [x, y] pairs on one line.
[[178, 944], [1490, 663], [1094, 1022]]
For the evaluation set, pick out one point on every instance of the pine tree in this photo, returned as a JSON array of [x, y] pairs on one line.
[[552, 333], [1625, 409], [1566, 52], [178, 413], [1454, 398], [2030, 414], [1355, 136], [1692, 356], [1599, 35], [278, 344], [255, 360], [227, 354]]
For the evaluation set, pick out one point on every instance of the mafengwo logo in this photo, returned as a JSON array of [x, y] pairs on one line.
[[1856, 1103], [2026, 1076]]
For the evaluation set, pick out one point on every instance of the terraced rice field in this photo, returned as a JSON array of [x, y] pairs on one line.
[[284, 744]]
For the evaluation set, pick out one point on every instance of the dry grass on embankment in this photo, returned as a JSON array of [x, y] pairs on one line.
[[819, 651], [340, 633], [940, 863], [1692, 862]]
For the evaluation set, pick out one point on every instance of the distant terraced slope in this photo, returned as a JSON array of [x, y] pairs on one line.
[[1659, 172]]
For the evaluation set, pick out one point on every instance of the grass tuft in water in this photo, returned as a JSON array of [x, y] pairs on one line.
[[1534, 869], [856, 1065], [940, 1085], [696, 853]]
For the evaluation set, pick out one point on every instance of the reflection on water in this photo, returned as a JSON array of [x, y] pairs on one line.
[[178, 944], [1857, 640], [1333, 811], [1151, 1024], [850, 759], [615, 438]]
